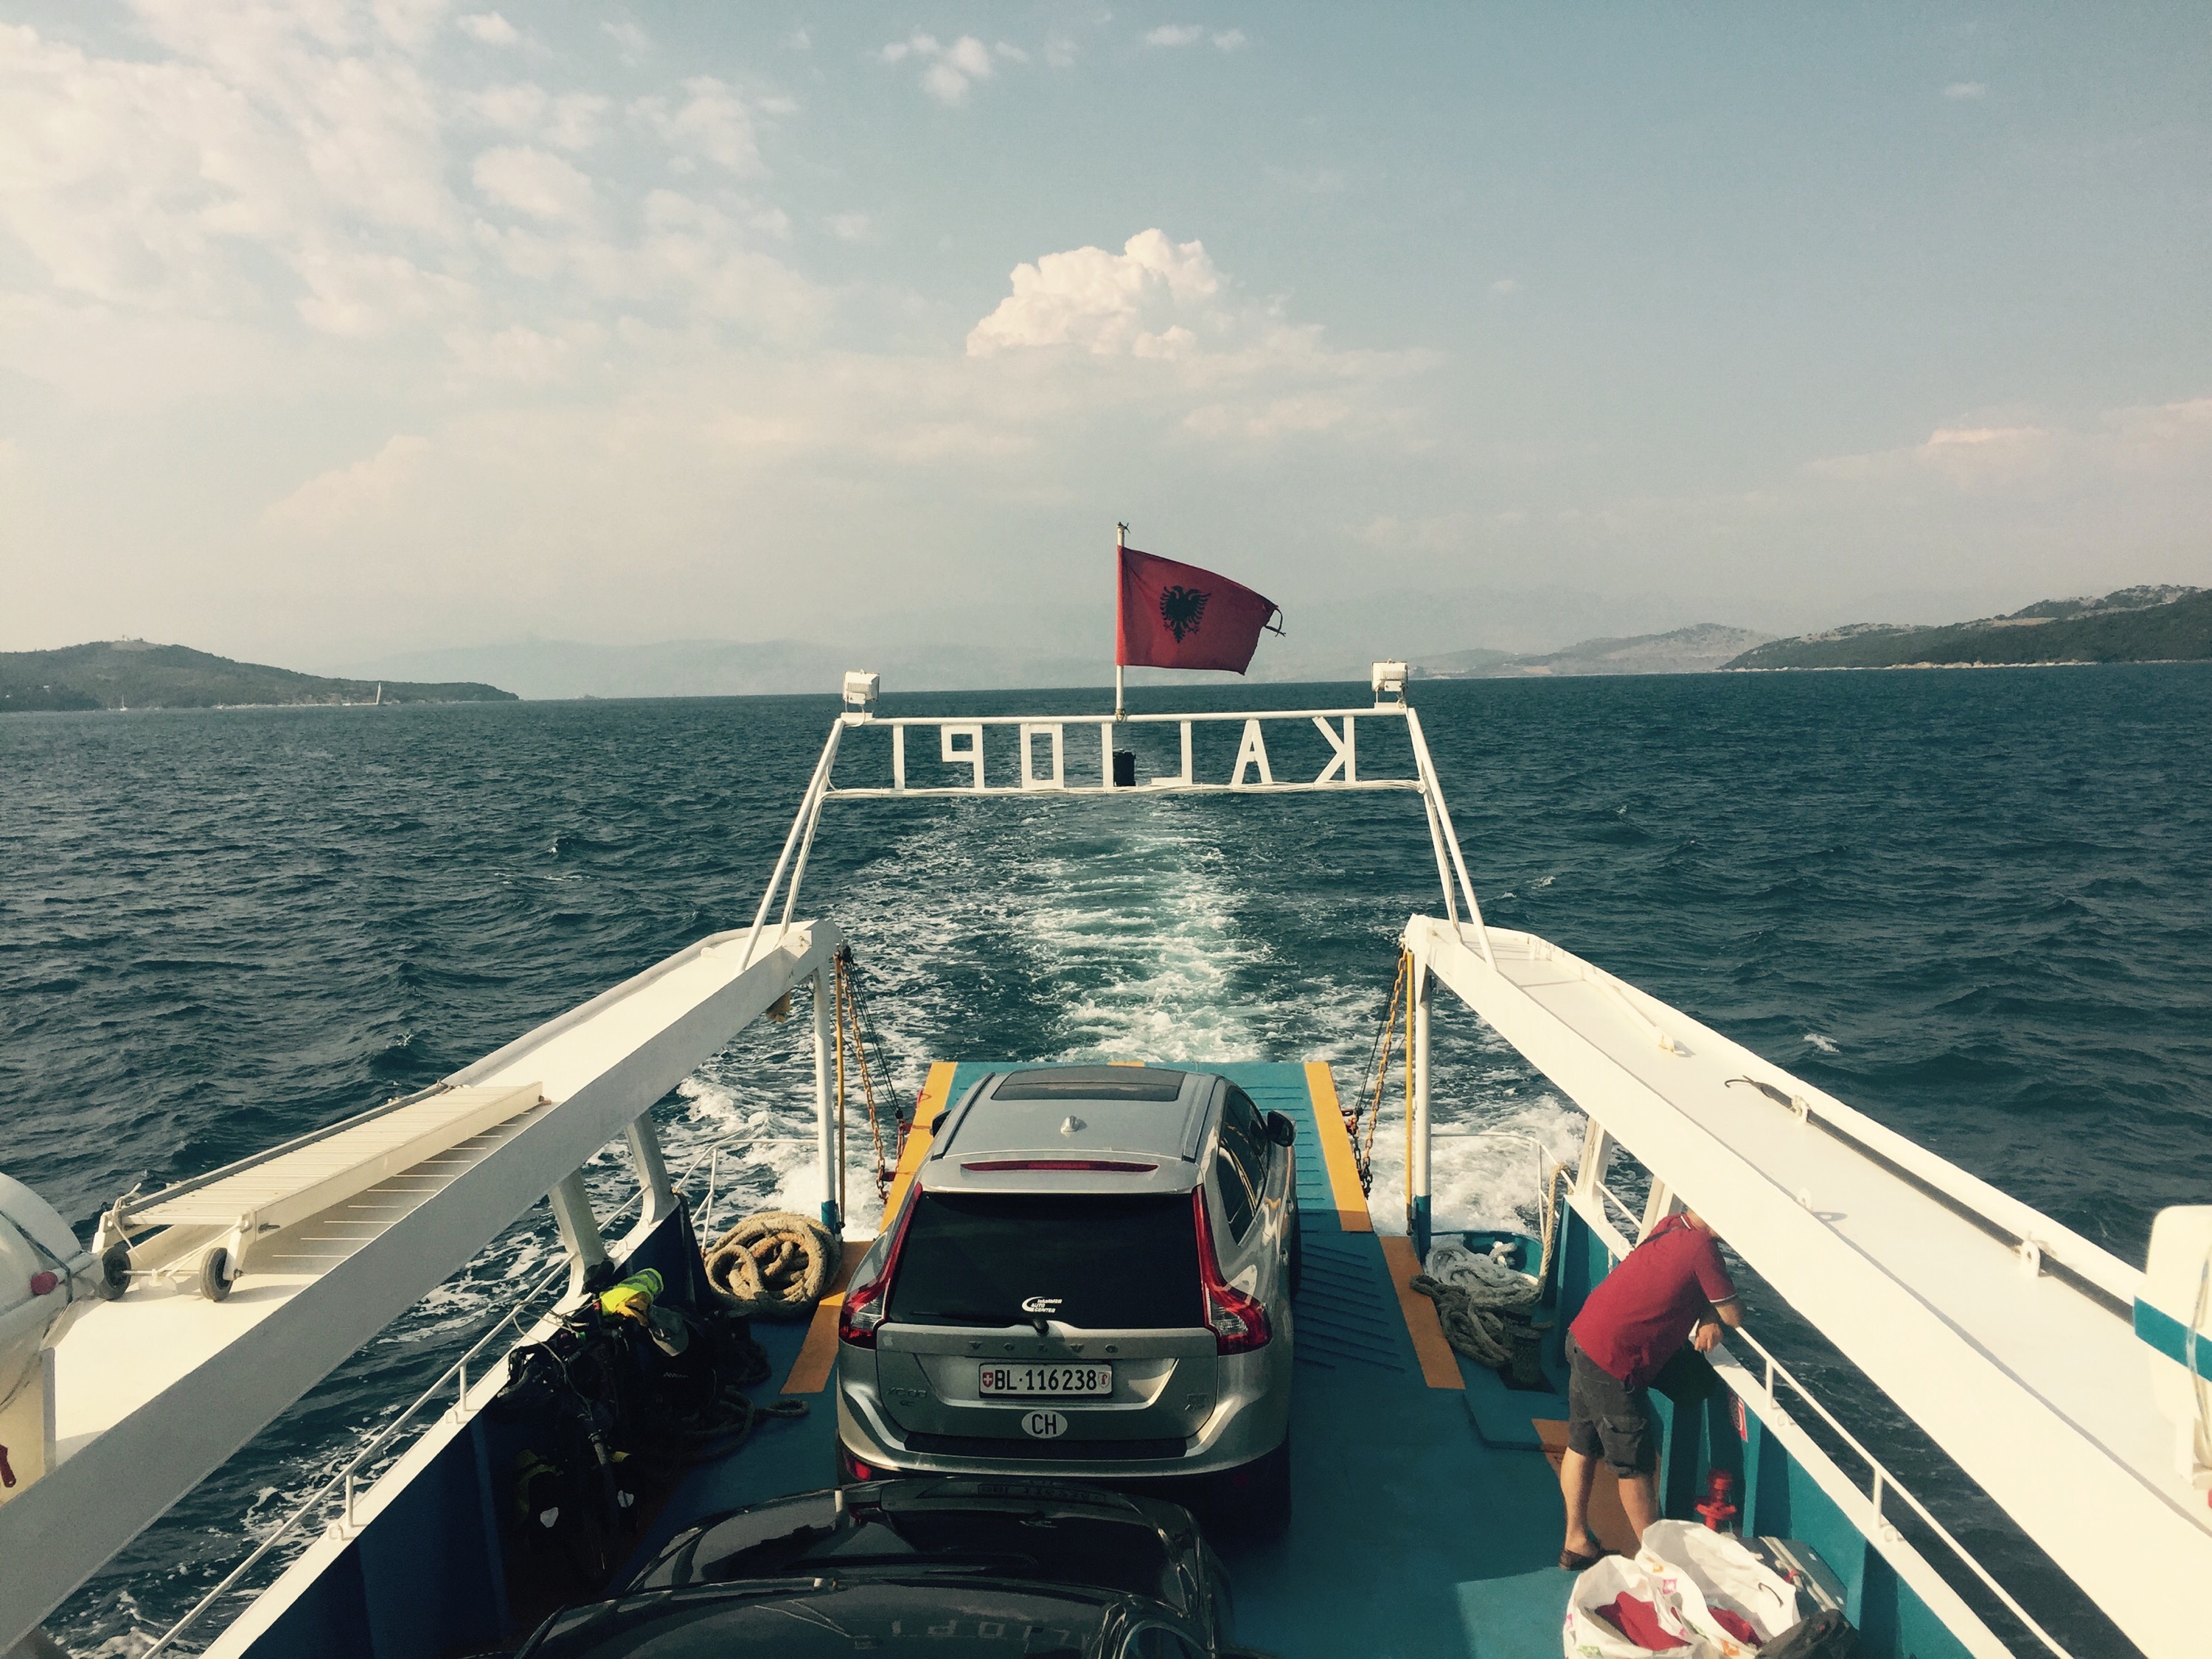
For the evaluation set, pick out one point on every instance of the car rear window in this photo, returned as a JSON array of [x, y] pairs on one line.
[[1113, 1263], [1132, 1085], [1122, 1556]]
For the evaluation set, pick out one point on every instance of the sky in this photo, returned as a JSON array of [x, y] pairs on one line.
[[335, 331]]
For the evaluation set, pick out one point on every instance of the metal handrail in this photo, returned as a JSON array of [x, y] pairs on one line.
[[383, 1437], [1882, 1480]]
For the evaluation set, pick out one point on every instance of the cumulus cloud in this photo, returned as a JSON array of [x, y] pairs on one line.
[[2012, 457], [490, 28], [534, 182], [1142, 301], [570, 120], [634, 45], [345, 495], [947, 70], [1175, 35], [711, 123], [1965, 89]]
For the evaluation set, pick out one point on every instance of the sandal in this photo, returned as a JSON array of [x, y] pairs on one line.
[[1572, 1562]]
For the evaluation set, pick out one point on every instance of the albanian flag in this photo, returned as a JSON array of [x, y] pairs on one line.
[[1177, 615]]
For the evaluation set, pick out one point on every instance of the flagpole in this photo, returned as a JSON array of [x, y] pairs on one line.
[[1121, 541]]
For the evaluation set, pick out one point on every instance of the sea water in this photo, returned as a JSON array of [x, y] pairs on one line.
[[1975, 904]]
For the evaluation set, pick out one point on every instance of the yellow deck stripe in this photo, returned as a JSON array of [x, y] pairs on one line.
[[810, 1372], [1440, 1367], [1336, 1150]]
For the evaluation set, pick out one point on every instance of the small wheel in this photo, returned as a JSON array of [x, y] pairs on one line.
[[114, 1272], [214, 1277]]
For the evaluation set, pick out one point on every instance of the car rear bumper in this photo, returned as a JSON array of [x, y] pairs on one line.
[[1244, 1429]]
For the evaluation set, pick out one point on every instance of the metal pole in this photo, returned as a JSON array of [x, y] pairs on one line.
[[1121, 541], [806, 805], [825, 1132], [1417, 1165], [658, 1197], [579, 1230]]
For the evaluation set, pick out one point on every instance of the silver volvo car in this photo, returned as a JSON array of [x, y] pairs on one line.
[[1090, 1277]]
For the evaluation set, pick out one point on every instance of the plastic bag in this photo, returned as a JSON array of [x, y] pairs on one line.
[[1589, 1634], [1707, 1574]]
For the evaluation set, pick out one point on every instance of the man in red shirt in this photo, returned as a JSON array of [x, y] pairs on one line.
[[1670, 1285]]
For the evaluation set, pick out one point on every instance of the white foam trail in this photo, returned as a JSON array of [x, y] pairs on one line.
[[1117, 930], [1826, 1045]]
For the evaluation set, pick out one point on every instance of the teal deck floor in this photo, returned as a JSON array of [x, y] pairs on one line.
[[1411, 1535]]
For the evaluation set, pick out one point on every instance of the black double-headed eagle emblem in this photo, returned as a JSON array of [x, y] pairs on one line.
[[1182, 609]]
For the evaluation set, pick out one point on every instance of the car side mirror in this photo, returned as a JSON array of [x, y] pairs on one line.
[[1280, 1130]]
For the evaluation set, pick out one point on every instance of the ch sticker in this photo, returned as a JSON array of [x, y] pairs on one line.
[[1044, 1425]]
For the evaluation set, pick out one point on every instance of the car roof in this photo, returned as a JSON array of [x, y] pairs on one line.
[[1153, 1119]]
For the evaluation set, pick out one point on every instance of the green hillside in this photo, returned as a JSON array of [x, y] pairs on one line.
[[131, 674], [2114, 628]]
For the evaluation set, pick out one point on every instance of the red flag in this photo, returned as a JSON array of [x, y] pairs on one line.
[[1177, 615]]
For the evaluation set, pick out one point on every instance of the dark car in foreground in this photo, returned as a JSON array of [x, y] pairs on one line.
[[952, 1566]]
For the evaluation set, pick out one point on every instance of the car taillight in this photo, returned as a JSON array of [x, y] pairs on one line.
[[864, 1305], [1240, 1323]]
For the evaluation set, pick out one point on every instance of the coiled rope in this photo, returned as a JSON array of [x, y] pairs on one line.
[[773, 1265], [1479, 1301]]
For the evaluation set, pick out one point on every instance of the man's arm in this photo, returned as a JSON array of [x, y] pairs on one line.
[[1729, 1311]]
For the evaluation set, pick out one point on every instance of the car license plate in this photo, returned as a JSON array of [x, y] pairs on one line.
[[1035, 1380]]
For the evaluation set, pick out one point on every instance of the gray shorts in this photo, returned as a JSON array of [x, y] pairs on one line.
[[1608, 1419]]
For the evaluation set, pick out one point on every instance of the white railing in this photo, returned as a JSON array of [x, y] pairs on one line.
[[455, 1376], [960, 744], [1881, 1480]]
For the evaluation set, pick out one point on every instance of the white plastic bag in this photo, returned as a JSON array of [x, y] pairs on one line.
[[1700, 1570], [1590, 1635]]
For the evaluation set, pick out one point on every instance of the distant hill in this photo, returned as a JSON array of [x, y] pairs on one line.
[[132, 674], [2135, 624], [1698, 649]]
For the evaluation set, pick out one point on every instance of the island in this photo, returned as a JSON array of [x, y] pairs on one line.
[[134, 674], [2135, 624]]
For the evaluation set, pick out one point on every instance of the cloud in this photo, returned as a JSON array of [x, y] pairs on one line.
[[1965, 89], [569, 121], [1139, 301], [1229, 40], [632, 43], [711, 122], [947, 70], [489, 28], [1506, 285], [1175, 35], [847, 227], [346, 495], [534, 182]]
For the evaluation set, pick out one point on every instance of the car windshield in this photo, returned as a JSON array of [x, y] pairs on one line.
[[1106, 1263], [1018, 1543]]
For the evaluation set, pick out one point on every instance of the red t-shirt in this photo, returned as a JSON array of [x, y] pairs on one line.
[[1642, 1311]]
